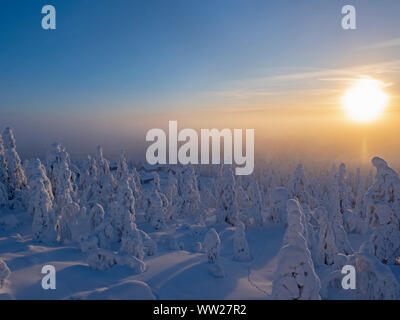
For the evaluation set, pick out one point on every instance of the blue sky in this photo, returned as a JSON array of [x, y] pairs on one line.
[[117, 57]]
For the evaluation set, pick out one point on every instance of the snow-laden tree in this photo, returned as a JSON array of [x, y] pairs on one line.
[[228, 209], [374, 280], [123, 209], [89, 188], [343, 189], [171, 192], [106, 181], [3, 164], [102, 163], [240, 245], [15, 172], [138, 192], [124, 174], [105, 234], [295, 277], [60, 175], [355, 220], [42, 206], [336, 217], [96, 217], [34, 170], [326, 249], [189, 205], [383, 210], [298, 223], [3, 195], [101, 259], [130, 235], [4, 187], [149, 245], [67, 222], [4, 273], [244, 203], [278, 210], [300, 188], [156, 204], [257, 202], [212, 248]]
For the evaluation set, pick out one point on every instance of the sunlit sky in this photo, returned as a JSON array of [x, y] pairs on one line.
[[114, 69]]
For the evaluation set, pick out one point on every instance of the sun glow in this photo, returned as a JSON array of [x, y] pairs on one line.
[[365, 101]]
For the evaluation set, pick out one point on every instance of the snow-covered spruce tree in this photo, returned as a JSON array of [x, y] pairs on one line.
[[326, 249], [3, 195], [61, 176], [212, 248], [88, 187], [67, 222], [156, 204], [42, 206], [299, 187], [297, 223], [96, 217], [36, 170], [3, 164], [189, 205], [336, 217], [228, 209], [244, 203], [106, 181], [256, 200], [15, 172], [295, 277], [240, 245], [382, 202], [4, 273], [4, 188], [124, 174], [123, 209], [171, 192], [105, 234], [343, 189], [138, 193], [131, 237], [207, 196], [374, 280], [132, 242], [278, 210], [352, 220]]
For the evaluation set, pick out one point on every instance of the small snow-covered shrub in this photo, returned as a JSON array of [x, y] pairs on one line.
[[149, 245], [101, 259], [88, 243]]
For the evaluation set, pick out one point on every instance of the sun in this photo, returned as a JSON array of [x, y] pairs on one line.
[[366, 100]]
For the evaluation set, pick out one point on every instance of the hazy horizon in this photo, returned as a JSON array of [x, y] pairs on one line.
[[109, 73]]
